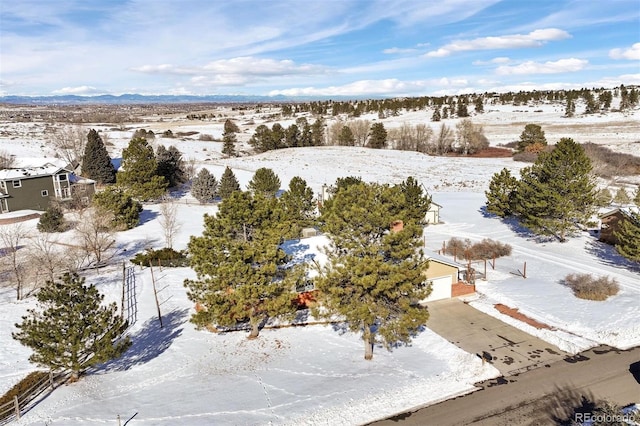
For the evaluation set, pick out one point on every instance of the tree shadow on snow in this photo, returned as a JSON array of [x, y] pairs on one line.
[[608, 255], [147, 216], [149, 342]]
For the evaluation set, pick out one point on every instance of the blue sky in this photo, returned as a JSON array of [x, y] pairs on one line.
[[315, 48]]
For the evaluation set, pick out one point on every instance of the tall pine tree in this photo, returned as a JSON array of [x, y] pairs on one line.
[[374, 277], [228, 183], [377, 136], [229, 141], [74, 330], [298, 205], [96, 163], [140, 171], [265, 182], [204, 187], [240, 265], [501, 193], [171, 165], [556, 195], [628, 236]]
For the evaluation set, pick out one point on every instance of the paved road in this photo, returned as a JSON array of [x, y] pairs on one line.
[[511, 350], [540, 396]]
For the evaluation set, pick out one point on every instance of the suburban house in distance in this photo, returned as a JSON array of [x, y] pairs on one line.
[[433, 214], [34, 188]]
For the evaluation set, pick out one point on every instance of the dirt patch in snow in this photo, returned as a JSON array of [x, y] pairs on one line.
[[514, 313]]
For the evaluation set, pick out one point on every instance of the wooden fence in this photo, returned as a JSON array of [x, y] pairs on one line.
[[13, 410]]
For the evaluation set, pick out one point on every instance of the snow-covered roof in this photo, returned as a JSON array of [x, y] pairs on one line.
[[30, 172], [430, 255]]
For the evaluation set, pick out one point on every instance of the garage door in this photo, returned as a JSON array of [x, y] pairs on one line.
[[440, 289]]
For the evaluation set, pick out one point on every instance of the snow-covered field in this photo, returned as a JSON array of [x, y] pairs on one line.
[[317, 374]]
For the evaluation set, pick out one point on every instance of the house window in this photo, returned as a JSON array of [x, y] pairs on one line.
[[17, 184], [62, 177], [3, 185], [44, 193]]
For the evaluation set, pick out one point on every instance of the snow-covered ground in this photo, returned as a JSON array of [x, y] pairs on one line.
[[316, 374]]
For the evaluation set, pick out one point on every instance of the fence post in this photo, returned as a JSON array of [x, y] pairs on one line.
[[155, 292], [51, 380], [124, 279], [524, 273], [17, 406]]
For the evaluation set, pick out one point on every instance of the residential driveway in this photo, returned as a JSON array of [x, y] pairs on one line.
[[509, 349]]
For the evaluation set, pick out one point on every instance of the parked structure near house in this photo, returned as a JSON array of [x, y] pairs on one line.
[[444, 275], [433, 214], [610, 223], [34, 188]]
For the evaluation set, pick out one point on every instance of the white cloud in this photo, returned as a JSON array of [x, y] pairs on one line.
[[79, 90], [632, 53], [549, 67], [386, 87], [236, 69], [398, 50], [499, 60], [533, 39]]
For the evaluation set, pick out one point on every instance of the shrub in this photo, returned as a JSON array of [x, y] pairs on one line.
[[585, 286], [205, 137], [490, 249], [163, 257], [485, 249], [52, 220], [32, 379]]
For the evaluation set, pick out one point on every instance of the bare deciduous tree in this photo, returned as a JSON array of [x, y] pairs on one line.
[[169, 220], [11, 240], [360, 130], [45, 251], [7, 161], [95, 236], [470, 137], [68, 142], [443, 141]]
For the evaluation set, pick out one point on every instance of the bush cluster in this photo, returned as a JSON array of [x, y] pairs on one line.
[[608, 163], [163, 257], [585, 286], [485, 249]]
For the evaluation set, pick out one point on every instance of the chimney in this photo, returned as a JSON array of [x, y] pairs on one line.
[[397, 226]]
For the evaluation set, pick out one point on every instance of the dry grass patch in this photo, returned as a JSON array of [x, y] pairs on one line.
[[585, 286]]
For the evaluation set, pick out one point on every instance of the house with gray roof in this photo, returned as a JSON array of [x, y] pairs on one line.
[[34, 188]]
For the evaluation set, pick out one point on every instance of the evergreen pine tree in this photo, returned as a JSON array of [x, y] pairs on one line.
[[604, 197], [204, 187], [52, 220], [124, 210], [140, 171], [373, 277], [621, 197], [317, 132], [500, 196], [416, 203], [230, 126], [628, 236], [240, 266], [229, 141], [462, 110], [557, 195], [96, 163], [346, 138], [171, 165], [531, 134], [298, 205], [479, 105], [436, 114], [74, 330], [377, 136], [265, 182], [228, 184]]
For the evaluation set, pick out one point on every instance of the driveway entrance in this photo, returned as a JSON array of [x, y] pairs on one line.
[[509, 349]]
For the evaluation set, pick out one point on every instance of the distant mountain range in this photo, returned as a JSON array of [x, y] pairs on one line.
[[158, 99]]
